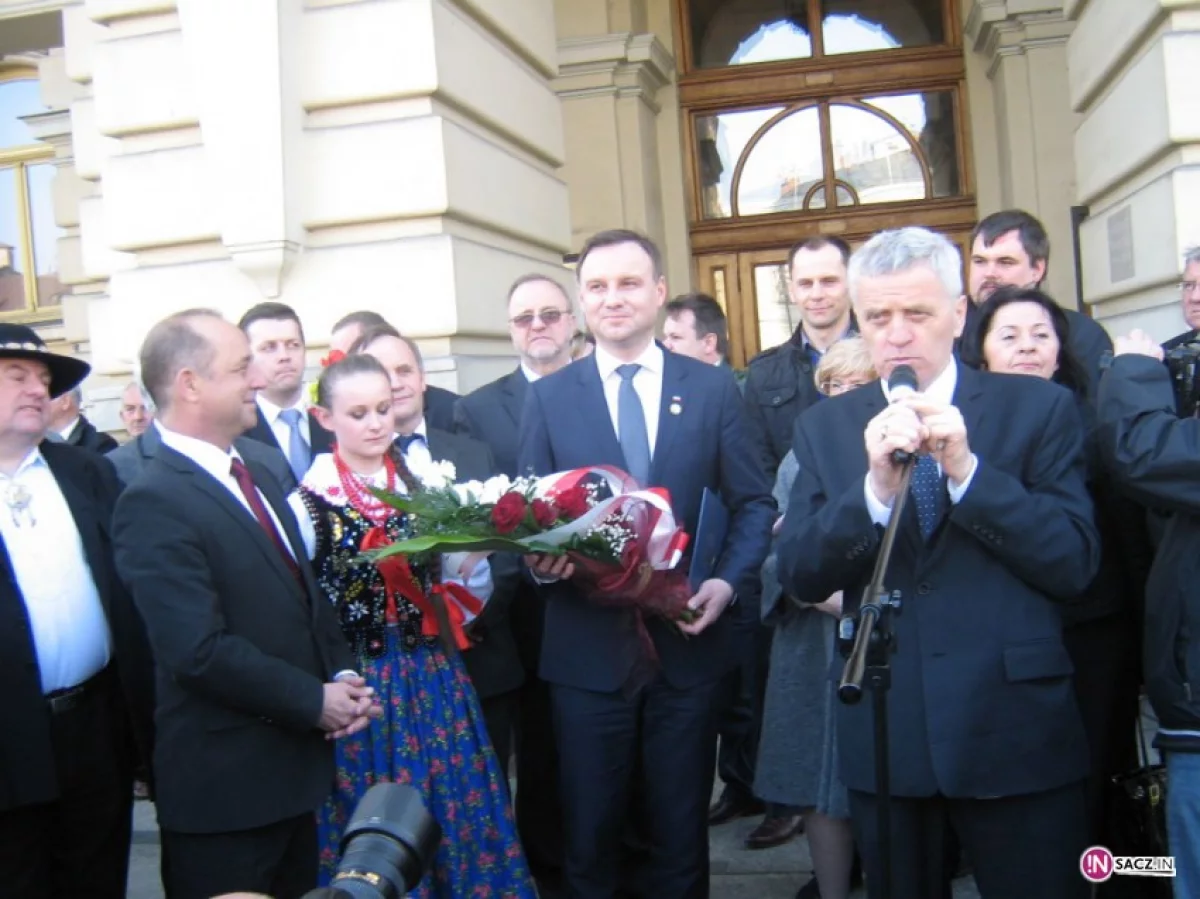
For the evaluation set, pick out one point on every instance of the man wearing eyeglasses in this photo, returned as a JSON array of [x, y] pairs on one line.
[[541, 325], [1189, 290]]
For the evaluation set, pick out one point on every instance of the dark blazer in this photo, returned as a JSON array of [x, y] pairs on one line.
[[242, 650], [322, 440], [439, 407], [493, 663], [27, 770], [493, 414], [85, 436], [981, 701], [129, 459], [566, 425]]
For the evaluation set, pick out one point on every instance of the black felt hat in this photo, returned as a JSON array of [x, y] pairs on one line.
[[22, 342]]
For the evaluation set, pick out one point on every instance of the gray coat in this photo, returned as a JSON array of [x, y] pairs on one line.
[[797, 751]]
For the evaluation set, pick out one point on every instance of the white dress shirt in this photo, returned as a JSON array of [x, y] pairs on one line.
[[218, 463], [279, 427], [647, 382], [529, 373], [941, 391], [66, 617]]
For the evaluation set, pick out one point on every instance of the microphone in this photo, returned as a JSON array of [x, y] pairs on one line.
[[902, 384]]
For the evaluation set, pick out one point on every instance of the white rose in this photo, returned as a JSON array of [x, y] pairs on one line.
[[494, 488], [469, 493]]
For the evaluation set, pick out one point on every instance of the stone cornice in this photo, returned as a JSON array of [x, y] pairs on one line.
[[1002, 28], [628, 65]]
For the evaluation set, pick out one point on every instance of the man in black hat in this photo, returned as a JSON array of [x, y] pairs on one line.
[[73, 656]]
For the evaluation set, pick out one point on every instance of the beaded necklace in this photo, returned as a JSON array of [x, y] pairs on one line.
[[374, 510]]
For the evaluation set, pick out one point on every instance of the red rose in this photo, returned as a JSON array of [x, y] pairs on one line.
[[508, 513], [573, 502], [544, 513]]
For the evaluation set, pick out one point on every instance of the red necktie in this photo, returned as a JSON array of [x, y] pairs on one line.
[[245, 481]]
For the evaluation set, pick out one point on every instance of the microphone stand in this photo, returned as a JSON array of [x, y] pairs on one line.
[[867, 641]]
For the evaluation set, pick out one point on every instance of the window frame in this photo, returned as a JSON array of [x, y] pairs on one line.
[[844, 77], [17, 159]]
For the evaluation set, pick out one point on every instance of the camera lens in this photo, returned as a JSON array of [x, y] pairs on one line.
[[388, 844], [373, 867]]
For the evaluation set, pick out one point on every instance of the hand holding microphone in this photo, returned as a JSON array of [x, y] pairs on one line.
[[894, 436]]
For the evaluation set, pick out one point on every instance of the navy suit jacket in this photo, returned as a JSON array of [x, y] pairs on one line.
[[981, 702], [493, 414], [566, 425]]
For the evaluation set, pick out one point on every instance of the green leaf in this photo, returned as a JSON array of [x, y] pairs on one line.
[[448, 543]]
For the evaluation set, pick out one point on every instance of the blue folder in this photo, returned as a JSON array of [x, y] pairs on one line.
[[709, 540]]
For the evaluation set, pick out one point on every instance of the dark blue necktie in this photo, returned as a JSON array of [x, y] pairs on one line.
[[404, 441], [926, 487], [631, 426]]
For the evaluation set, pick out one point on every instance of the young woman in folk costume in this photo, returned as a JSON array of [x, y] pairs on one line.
[[432, 733]]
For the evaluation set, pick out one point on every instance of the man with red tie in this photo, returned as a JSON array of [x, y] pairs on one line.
[[254, 676]]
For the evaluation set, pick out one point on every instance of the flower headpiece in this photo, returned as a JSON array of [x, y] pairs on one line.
[[334, 356]]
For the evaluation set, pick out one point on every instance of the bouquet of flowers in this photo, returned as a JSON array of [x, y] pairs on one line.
[[623, 541]]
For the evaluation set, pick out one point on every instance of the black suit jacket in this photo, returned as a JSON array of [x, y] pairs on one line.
[[27, 769], [981, 702], [439, 407], [493, 663], [242, 649], [85, 436], [566, 425], [493, 414], [322, 440], [129, 459]]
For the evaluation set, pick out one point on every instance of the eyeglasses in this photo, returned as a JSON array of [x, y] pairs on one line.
[[1189, 286], [547, 317]]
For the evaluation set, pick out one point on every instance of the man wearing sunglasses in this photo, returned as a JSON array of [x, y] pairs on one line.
[[542, 325]]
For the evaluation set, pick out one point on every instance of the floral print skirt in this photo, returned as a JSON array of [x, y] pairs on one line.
[[432, 736]]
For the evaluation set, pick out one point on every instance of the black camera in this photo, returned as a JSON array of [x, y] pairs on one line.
[[1183, 362], [388, 846]]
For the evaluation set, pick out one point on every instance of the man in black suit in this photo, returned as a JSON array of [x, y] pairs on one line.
[[985, 734], [284, 419], [254, 675], [678, 424], [492, 661], [69, 425], [1011, 247], [541, 325], [439, 402], [74, 661]]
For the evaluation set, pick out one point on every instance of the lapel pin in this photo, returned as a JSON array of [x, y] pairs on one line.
[[676, 406]]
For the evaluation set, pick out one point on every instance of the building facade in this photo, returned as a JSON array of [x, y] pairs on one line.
[[414, 156]]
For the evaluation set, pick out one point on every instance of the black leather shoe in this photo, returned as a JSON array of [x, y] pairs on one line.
[[731, 806], [775, 830]]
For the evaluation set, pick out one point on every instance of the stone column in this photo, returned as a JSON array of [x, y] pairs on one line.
[[396, 155], [1027, 148], [1134, 71], [624, 151]]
